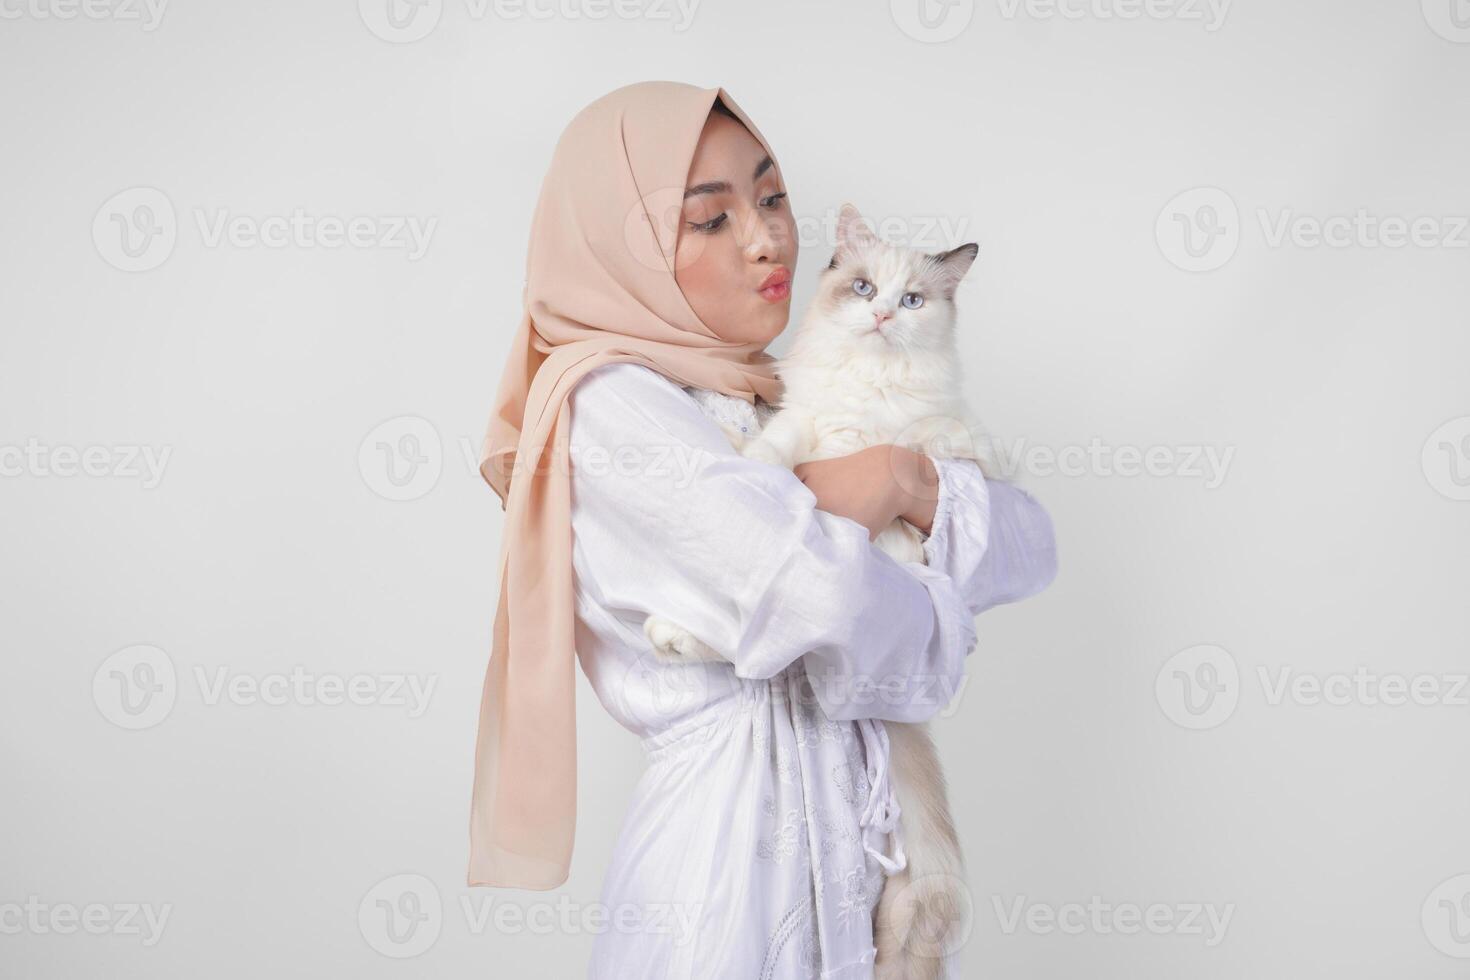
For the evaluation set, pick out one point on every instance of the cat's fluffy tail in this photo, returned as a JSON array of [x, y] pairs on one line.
[[924, 911]]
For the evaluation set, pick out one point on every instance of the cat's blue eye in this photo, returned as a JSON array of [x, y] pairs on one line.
[[711, 225], [862, 287], [912, 301], [774, 201]]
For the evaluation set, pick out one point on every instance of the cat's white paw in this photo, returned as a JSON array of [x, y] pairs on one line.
[[674, 644], [902, 541], [762, 451]]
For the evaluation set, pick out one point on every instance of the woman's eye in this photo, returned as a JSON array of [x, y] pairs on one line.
[[862, 287], [774, 201], [712, 224], [912, 301]]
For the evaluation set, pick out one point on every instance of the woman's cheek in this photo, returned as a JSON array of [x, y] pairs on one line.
[[698, 275], [691, 266]]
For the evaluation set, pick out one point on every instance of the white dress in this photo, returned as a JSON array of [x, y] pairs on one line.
[[755, 845]]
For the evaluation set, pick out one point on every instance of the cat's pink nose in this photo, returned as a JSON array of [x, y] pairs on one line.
[[880, 318]]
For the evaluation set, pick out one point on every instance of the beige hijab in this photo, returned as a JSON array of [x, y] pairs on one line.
[[599, 288]]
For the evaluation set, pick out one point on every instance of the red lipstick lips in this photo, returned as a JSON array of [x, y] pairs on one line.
[[777, 286]]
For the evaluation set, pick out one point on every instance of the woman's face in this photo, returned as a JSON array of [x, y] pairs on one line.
[[737, 238]]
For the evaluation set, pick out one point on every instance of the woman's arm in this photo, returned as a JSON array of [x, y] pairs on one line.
[[992, 539], [667, 518], [989, 538], [875, 486]]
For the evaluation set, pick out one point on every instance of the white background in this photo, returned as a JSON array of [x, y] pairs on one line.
[[1061, 139]]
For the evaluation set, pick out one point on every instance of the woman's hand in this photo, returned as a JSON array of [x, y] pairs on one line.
[[874, 486]]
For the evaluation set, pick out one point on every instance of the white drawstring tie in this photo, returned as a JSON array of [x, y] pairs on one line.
[[880, 816]]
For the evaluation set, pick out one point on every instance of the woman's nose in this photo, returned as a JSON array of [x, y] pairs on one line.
[[764, 241]]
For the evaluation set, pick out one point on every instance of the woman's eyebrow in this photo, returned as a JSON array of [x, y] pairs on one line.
[[723, 186], [708, 187]]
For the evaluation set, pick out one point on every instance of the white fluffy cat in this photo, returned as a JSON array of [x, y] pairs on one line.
[[875, 363]]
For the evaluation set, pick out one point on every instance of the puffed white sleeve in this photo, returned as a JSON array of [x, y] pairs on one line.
[[669, 519], [993, 539]]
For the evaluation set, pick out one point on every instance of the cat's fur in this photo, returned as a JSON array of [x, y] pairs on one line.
[[850, 384]]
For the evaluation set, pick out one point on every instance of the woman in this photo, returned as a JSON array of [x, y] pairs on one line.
[[757, 839]]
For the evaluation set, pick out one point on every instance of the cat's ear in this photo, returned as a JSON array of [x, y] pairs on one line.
[[853, 234], [953, 265]]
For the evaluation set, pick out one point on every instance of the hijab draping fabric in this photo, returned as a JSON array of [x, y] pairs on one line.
[[599, 288]]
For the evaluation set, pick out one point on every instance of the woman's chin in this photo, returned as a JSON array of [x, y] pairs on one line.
[[775, 317], [761, 325]]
